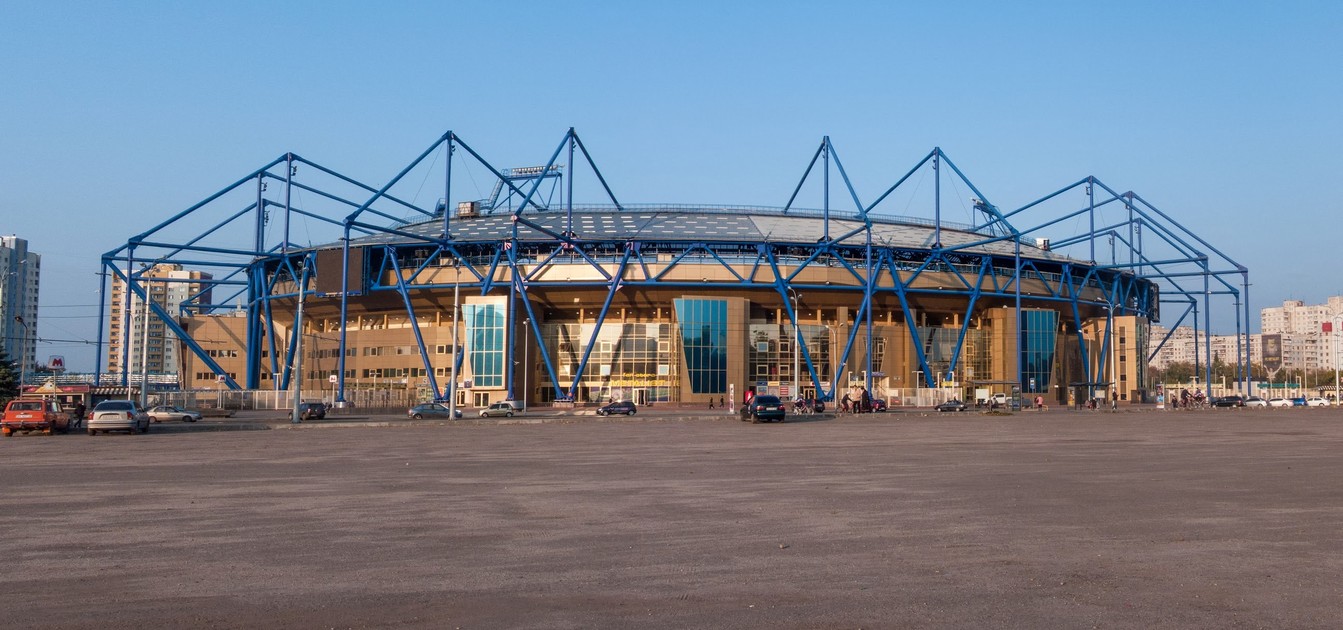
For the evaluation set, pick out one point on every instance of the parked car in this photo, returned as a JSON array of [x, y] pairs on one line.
[[878, 404], [1316, 401], [504, 409], [311, 411], [433, 410], [1299, 401], [1228, 401], [620, 406], [35, 414], [764, 407], [1255, 401], [951, 405], [1279, 402], [118, 415], [165, 413]]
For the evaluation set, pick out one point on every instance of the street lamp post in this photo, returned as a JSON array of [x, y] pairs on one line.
[[1333, 336], [456, 321], [23, 353], [144, 349], [526, 350]]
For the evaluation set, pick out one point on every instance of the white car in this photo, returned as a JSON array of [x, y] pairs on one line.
[[1280, 402], [1316, 401], [1255, 401], [118, 415], [505, 409]]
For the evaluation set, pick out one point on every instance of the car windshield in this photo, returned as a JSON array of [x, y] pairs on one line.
[[767, 400], [114, 405]]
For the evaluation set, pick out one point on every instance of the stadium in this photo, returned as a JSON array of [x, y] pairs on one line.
[[526, 295]]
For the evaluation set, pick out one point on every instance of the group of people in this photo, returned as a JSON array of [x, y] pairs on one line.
[[859, 403], [1186, 400], [807, 405]]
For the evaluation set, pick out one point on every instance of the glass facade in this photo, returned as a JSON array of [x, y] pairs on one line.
[[631, 361], [703, 324], [1039, 337], [485, 335]]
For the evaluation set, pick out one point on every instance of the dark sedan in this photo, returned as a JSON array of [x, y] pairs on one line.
[[1228, 401], [951, 405], [621, 406], [433, 410], [764, 407]]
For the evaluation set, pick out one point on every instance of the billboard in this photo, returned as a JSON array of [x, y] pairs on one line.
[[1272, 352]]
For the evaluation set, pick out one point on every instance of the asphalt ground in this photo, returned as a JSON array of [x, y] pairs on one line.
[[1062, 519]]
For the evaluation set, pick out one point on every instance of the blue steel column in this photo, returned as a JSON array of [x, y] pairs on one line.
[[447, 188], [102, 305], [1245, 288], [1091, 216], [569, 194], [126, 319], [868, 295], [344, 309], [1207, 325], [255, 277], [826, 194], [937, 198], [1016, 273]]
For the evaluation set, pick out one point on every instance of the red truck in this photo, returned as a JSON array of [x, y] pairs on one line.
[[32, 414]]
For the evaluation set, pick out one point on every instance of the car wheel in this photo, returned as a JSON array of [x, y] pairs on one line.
[[418, 417], [508, 414], [630, 413], [755, 419], [188, 419], [92, 432]]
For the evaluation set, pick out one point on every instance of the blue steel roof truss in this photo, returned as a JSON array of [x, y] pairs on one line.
[[1121, 291]]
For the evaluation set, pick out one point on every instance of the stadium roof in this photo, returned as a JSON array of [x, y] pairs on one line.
[[709, 224]]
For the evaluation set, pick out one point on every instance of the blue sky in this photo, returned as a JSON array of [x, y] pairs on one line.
[[1224, 115]]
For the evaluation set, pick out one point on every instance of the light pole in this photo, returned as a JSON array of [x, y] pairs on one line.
[[1333, 336], [526, 351], [144, 346], [452, 385], [23, 353], [298, 356], [797, 343]]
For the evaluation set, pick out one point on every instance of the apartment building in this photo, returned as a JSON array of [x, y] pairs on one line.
[[20, 280], [155, 351]]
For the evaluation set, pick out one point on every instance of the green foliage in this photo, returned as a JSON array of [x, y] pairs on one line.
[[9, 377]]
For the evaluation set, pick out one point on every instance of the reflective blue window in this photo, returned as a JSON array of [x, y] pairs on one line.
[[485, 336], [704, 342], [1039, 336]]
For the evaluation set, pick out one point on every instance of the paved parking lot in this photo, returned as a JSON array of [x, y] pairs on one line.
[[1212, 519]]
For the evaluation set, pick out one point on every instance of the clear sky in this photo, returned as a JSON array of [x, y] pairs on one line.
[[1223, 114]]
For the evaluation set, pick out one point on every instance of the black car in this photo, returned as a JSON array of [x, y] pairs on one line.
[[621, 406], [764, 407], [433, 410], [311, 411], [1229, 401], [951, 405]]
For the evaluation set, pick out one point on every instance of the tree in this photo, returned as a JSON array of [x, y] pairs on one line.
[[9, 377]]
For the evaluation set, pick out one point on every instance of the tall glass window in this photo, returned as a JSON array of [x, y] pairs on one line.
[[485, 337], [1039, 336], [704, 342]]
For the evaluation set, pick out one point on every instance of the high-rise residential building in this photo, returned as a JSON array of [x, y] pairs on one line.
[[169, 288], [20, 279], [1311, 338], [1180, 347]]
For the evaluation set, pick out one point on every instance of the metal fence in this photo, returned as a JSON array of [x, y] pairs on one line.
[[268, 399]]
